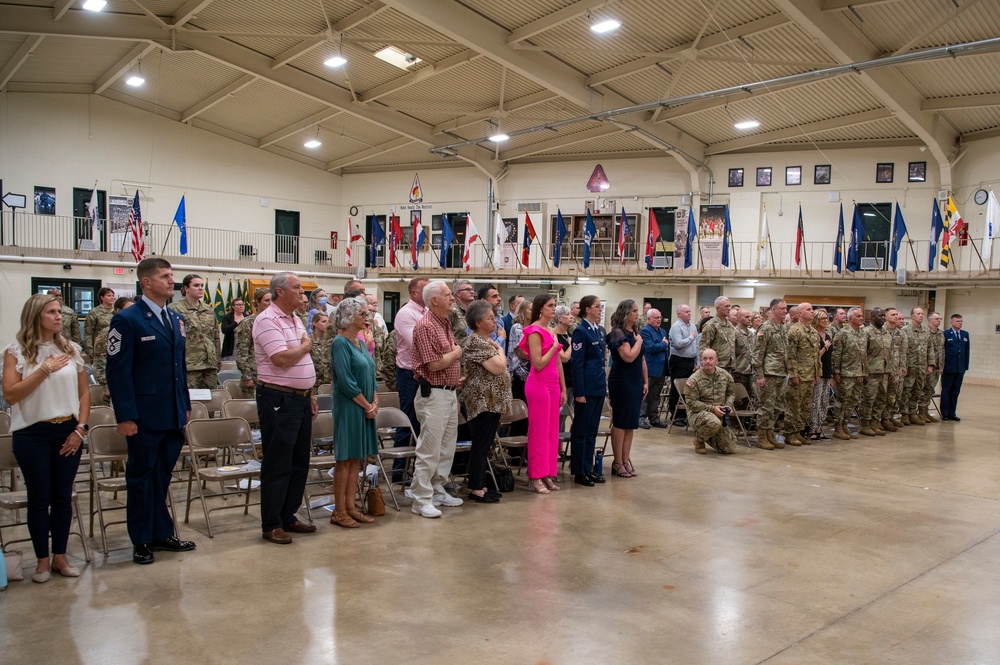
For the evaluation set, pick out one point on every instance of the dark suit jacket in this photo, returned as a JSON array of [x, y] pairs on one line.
[[587, 361], [956, 351], [147, 374]]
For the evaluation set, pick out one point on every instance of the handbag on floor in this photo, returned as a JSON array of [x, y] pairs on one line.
[[13, 566], [504, 477], [376, 503]]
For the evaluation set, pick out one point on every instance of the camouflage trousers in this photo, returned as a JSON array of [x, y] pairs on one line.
[[913, 390], [848, 393], [895, 391], [874, 396], [930, 383], [708, 430], [745, 380], [798, 403], [771, 401], [203, 378]]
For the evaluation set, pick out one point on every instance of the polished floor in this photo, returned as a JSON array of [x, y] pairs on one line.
[[880, 550]]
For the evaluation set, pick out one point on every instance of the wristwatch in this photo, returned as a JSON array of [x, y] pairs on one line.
[[85, 426]]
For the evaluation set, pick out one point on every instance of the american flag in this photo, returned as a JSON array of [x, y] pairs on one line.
[[135, 230]]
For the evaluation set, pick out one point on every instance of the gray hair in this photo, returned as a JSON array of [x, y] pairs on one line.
[[720, 300], [459, 283], [347, 310], [432, 289], [280, 281], [476, 312], [852, 310], [561, 311], [680, 308]]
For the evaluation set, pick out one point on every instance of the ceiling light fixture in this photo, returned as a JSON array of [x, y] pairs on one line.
[[136, 79], [95, 5], [499, 137], [397, 57], [747, 124], [314, 142], [336, 61], [605, 26]]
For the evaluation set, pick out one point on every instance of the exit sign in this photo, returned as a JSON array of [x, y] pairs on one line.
[[119, 271]]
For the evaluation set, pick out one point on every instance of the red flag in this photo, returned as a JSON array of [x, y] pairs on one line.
[[395, 235], [529, 237], [651, 238], [471, 236], [799, 239]]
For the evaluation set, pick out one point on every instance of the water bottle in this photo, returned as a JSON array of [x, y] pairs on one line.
[[599, 464], [3, 572]]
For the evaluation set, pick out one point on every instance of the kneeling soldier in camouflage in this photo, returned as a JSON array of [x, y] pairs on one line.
[[709, 394]]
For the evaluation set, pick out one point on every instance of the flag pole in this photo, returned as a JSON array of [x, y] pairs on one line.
[[485, 249], [981, 262]]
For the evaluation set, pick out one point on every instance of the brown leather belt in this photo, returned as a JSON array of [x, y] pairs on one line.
[[285, 389], [56, 421]]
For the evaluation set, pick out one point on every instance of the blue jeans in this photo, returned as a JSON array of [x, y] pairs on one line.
[[48, 477], [406, 386]]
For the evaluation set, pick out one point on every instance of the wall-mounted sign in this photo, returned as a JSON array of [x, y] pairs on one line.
[[598, 180], [416, 194]]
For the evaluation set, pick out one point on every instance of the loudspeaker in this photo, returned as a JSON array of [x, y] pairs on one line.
[[901, 276]]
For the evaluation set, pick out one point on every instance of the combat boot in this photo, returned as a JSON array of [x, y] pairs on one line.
[[762, 439], [877, 427], [905, 419], [841, 433], [773, 440], [915, 419], [888, 425], [866, 428], [793, 439], [897, 421], [699, 447], [926, 415]]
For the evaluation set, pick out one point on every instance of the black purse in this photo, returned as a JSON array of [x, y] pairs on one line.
[[504, 478]]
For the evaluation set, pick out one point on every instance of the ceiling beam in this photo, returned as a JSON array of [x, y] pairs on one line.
[[705, 43], [219, 96], [844, 45], [188, 11], [150, 107], [839, 5], [958, 103], [60, 9], [38, 21], [421, 74], [368, 153], [356, 18], [951, 16], [797, 131], [125, 63], [306, 123], [509, 107], [812, 146], [559, 142], [299, 49], [20, 56], [51, 88], [554, 19]]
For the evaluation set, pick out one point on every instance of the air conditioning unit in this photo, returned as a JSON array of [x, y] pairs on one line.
[[871, 263], [530, 207], [286, 257], [663, 262]]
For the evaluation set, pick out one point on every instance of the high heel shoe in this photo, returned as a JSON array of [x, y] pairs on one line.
[[551, 485], [538, 486], [630, 469], [619, 470]]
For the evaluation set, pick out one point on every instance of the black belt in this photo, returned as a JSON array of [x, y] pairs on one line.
[[445, 387], [291, 391]]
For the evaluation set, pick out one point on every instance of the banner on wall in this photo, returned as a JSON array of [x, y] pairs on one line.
[[711, 235], [118, 209], [680, 235]]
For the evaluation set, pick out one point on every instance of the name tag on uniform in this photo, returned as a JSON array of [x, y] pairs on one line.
[[151, 338]]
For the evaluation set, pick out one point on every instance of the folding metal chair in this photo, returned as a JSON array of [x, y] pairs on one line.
[[229, 437], [389, 418], [740, 393], [678, 386], [518, 412], [322, 437]]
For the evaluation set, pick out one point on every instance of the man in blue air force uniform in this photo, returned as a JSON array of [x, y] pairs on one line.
[[147, 379], [590, 387]]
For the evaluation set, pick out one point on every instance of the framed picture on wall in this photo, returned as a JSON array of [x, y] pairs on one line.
[[763, 176], [916, 172], [884, 172], [45, 200], [735, 177], [793, 175], [821, 175]]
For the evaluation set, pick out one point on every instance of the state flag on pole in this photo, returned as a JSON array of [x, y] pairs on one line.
[[529, 237], [589, 233], [135, 233], [624, 231], [447, 237], [953, 227], [762, 261], [936, 227], [353, 235], [727, 233], [395, 236], [419, 238], [898, 231], [471, 236], [180, 219], [220, 303], [838, 251], [692, 239], [561, 232], [992, 222], [378, 237], [853, 247], [651, 237], [800, 239], [94, 210]]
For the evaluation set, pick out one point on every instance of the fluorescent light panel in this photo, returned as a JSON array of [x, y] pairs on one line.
[[606, 25], [94, 5], [135, 80], [336, 61], [397, 57], [313, 143], [747, 124], [499, 137]]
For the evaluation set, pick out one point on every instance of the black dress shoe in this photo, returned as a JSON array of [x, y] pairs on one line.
[[956, 419], [485, 498], [172, 544], [583, 480], [142, 555], [659, 423], [596, 478]]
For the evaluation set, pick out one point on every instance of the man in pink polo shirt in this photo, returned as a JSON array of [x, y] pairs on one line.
[[286, 407], [404, 323]]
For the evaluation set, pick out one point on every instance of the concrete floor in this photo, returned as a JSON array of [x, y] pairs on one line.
[[875, 551]]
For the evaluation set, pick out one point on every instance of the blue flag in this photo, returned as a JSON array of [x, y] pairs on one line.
[[838, 251], [937, 226], [898, 231], [692, 235], [447, 237], [378, 237], [727, 233], [180, 219], [589, 233], [560, 236], [857, 225]]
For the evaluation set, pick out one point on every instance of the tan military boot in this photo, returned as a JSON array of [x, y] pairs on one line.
[[866, 428], [841, 433], [773, 440], [793, 439], [888, 425], [897, 421], [877, 427], [915, 419], [699, 447], [926, 415], [905, 419], [762, 439]]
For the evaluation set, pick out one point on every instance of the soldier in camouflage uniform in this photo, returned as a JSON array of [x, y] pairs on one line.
[[706, 392], [916, 367], [378, 332], [770, 368], [935, 360], [874, 394], [386, 367], [98, 319], [464, 296], [743, 359], [246, 361], [320, 351], [793, 318], [101, 352], [894, 322], [202, 338], [719, 335], [850, 360], [70, 322], [802, 358]]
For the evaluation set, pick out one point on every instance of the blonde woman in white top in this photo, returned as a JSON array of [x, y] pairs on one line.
[[45, 383]]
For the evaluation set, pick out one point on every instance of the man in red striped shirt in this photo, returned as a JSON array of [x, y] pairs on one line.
[[286, 407]]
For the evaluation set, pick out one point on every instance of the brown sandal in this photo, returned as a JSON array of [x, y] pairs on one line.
[[345, 521], [361, 517]]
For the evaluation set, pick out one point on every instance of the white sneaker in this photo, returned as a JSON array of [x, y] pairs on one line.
[[408, 493], [426, 510], [446, 500]]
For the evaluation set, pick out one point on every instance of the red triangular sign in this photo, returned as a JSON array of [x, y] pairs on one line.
[[598, 180]]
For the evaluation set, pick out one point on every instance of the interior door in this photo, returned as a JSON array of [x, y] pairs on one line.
[[286, 236]]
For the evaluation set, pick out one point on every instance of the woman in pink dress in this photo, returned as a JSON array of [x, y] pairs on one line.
[[545, 391]]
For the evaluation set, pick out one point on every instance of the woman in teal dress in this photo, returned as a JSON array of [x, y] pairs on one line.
[[354, 407]]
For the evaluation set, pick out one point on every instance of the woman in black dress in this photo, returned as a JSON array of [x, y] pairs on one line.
[[229, 323], [628, 382]]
